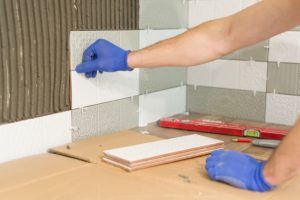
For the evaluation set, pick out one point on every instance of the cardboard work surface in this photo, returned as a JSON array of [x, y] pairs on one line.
[[52, 176]]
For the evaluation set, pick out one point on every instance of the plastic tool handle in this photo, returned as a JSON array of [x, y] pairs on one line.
[[266, 143]]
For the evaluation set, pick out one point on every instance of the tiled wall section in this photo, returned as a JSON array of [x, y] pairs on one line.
[[163, 14], [107, 86], [34, 136], [113, 98], [257, 52], [260, 82], [233, 74], [111, 101], [152, 80], [34, 56], [283, 78], [107, 103], [102, 105]]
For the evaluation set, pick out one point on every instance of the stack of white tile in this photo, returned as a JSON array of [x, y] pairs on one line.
[[161, 152]]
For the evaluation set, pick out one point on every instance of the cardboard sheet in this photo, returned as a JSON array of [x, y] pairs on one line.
[[19, 173], [91, 150], [57, 177]]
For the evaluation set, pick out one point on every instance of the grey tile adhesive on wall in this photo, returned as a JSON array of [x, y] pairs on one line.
[[233, 103], [34, 56], [105, 118]]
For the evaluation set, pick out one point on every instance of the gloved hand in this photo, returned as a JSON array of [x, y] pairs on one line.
[[237, 169], [103, 56]]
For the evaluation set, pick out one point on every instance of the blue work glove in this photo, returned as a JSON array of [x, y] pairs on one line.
[[103, 56], [237, 169]]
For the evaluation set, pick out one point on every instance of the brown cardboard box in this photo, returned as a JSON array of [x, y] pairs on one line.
[[52, 176]]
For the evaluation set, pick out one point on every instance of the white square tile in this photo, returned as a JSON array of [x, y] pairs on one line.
[[85, 91], [225, 74], [243, 75], [163, 14], [34, 136], [107, 86], [200, 75], [282, 109], [118, 85], [253, 76], [161, 104], [104, 88], [201, 11], [129, 40], [285, 47]]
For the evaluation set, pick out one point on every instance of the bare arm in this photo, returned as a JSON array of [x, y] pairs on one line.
[[285, 163], [216, 38]]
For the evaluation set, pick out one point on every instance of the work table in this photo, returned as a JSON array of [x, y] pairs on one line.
[[75, 171]]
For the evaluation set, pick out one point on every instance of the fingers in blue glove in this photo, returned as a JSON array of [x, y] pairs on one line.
[[103, 56], [87, 67], [89, 54], [94, 74], [212, 173], [212, 158], [210, 164], [91, 74]]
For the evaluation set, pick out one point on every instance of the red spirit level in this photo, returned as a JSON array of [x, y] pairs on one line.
[[222, 128]]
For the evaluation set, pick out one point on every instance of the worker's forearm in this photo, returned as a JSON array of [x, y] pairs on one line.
[[285, 161], [217, 38], [198, 45], [262, 21]]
